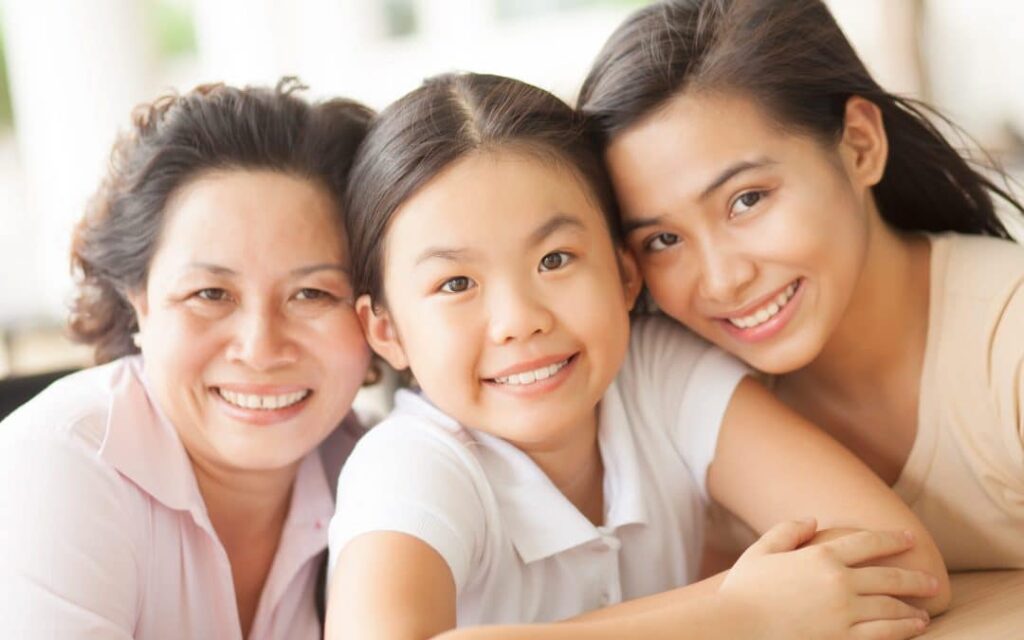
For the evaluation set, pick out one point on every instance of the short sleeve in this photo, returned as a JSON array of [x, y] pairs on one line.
[[410, 476], [689, 381], [69, 566]]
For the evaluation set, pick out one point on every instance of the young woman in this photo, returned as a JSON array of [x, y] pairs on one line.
[[558, 459], [788, 209], [183, 488]]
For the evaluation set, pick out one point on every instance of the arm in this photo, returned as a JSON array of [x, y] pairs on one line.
[[69, 569], [772, 465]]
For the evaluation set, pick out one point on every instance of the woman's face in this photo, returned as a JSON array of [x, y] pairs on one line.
[[251, 344], [752, 236], [505, 298]]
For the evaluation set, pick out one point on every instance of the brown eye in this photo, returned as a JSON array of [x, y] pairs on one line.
[[746, 201], [211, 294], [457, 284], [660, 242], [554, 260]]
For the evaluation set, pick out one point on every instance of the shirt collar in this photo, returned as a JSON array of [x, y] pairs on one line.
[[540, 521], [143, 446]]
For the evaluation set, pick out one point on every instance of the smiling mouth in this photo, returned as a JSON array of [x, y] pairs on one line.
[[533, 376], [262, 402], [768, 310]]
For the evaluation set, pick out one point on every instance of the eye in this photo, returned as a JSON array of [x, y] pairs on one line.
[[554, 260], [313, 294], [211, 294], [746, 201], [457, 284], [660, 242]]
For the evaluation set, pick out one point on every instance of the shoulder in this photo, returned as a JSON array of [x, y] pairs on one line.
[[416, 473], [666, 359], [979, 335], [980, 267], [75, 407]]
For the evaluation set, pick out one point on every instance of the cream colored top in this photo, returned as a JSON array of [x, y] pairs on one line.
[[965, 474]]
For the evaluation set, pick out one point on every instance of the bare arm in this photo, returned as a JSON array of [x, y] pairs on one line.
[[772, 465]]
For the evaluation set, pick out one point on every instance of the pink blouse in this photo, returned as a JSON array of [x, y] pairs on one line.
[[104, 534]]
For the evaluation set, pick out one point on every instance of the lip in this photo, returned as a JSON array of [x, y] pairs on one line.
[[530, 365], [773, 326], [260, 417], [757, 304], [539, 387]]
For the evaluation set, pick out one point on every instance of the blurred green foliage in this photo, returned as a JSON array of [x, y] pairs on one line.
[[6, 113], [174, 29]]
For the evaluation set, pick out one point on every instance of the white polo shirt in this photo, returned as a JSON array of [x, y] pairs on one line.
[[518, 550]]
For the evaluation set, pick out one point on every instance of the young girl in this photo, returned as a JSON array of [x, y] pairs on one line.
[[555, 463], [785, 207]]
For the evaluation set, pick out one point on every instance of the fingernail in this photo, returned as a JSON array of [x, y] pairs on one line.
[[933, 583], [925, 617], [909, 535]]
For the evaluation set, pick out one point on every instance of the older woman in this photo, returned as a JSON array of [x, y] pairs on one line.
[[182, 488]]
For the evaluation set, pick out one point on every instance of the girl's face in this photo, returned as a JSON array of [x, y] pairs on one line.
[[752, 236], [252, 346], [505, 298]]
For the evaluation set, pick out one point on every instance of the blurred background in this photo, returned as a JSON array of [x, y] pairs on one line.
[[71, 71]]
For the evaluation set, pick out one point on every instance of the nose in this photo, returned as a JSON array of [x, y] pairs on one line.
[[261, 341], [724, 274], [517, 313]]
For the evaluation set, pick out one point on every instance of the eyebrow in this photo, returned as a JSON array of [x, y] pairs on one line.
[[299, 272], [557, 222], [730, 172]]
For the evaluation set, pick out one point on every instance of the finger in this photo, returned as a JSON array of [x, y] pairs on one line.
[[862, 546], [868, 608], [893, 581], [785, 536], [888, 629]]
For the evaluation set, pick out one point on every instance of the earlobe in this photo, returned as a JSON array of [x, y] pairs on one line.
[[137, 301], [864, 140], [380, 333]]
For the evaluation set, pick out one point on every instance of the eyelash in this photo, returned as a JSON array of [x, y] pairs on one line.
[[761, 195], [444, 288], [567, 259], [203, 294], [663, 236]]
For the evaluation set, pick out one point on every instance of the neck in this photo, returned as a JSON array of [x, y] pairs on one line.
[[575, 468], [242, 504], [884, 328]]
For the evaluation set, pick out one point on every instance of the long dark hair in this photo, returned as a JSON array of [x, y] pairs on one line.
[[791, 58], [448, 118], [173, 141]]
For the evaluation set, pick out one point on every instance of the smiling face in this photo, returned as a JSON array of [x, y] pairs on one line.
[[505, 298], [752, 236], [251, 344]]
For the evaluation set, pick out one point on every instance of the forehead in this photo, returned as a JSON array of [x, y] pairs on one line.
[[683, 145], [261, 214], [494, 193]]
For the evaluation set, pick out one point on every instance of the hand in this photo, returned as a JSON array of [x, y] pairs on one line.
[[822, 591]]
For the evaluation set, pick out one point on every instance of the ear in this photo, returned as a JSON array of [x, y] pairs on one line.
[[864, 146], [139, 304], [632, 282], [380, 333]]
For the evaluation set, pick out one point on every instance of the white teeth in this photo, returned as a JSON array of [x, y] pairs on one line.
[[766, 312], [252, 401], [529, 377]]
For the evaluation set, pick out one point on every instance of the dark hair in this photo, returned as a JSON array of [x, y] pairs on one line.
[[792, 58], [447, 118], [173, 141]]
